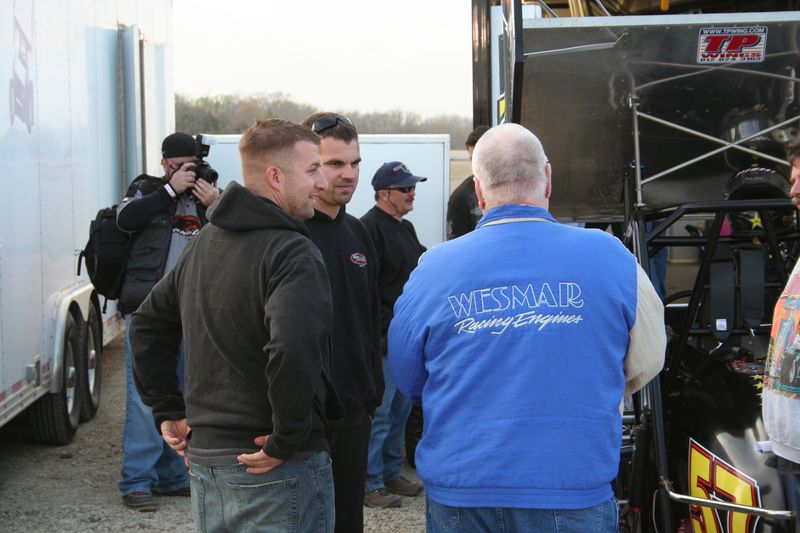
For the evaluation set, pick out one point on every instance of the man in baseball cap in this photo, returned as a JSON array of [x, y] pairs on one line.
[[394, 174], [395, 177], [398, 250], [178, 144]]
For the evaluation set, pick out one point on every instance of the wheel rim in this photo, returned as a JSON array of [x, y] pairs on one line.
[[92, 365], [94, 347], [71, 379]]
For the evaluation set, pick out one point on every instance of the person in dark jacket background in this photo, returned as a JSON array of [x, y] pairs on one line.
[[357, 371], [163, 215], [463, 211], [251, 298]]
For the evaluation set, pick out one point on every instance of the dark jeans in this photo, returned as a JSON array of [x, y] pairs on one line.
[[603, 518], [296, 496], [349, 454]]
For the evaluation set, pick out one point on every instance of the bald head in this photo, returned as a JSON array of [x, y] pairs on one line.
[[511, 167]]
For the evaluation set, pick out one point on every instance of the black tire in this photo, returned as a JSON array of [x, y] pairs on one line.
[[55, 416], [92, 365], [413, 433]]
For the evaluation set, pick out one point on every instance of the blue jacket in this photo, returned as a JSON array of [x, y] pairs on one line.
[[513, 337]]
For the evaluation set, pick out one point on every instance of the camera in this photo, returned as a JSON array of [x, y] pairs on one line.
[[201, 168]]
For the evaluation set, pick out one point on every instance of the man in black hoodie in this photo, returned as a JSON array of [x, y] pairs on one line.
[[251, 297], [349, 255]]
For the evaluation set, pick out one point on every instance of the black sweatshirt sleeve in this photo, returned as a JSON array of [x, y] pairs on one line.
[[155, 340], [375, 314], [298, 319]]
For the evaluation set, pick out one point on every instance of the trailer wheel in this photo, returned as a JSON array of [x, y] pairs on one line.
[[91, 362], [413, 433], [55, 416]]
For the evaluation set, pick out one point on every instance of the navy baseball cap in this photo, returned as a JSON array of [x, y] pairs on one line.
[[178, 144], [394, 174]]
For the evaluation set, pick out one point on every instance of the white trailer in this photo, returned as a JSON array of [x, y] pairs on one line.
[[89, 100], [424, 155]]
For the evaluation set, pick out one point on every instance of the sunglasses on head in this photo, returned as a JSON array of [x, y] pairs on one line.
[[402, 189], [326, 123]]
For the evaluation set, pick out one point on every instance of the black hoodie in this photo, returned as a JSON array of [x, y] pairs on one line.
[[252, 297]]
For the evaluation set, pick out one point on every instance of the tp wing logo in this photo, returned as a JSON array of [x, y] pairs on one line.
[[732, 45]]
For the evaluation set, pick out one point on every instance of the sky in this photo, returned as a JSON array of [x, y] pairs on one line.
[[347, 55]]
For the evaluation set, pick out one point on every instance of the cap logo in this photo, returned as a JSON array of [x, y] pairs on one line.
[[359, 259], [402, 167]]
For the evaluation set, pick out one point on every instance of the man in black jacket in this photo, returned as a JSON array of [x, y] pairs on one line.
[[163, 215], [463, 212], [251, 298], [349, 256], [398, 251]]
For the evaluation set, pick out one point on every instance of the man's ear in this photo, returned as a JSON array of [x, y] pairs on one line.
[[549, 171], [274, 177], [479, 193]]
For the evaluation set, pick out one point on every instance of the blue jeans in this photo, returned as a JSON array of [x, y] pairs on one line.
[[386, 438], [148, 463], [296, 496], [603, 518]]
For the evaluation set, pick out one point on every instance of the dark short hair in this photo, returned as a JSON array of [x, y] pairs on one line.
[[271, 137], [793, 150], [474, 135], [342, 131]]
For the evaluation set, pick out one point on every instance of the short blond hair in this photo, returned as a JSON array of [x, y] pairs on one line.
[[270, 141]]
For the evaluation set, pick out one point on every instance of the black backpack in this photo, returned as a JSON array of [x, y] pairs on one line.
[[106, 254]]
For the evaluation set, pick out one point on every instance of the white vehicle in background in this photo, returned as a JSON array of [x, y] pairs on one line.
[[424, 155], [89, 97]]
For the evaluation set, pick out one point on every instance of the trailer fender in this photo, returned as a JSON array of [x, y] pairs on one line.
[[77, 297]]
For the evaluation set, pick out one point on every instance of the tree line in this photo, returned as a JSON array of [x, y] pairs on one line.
[[234, 114]]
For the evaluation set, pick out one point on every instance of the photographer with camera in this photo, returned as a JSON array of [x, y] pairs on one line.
[[162, 215]]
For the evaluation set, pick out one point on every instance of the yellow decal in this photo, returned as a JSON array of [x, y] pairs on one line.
[[712, 478]]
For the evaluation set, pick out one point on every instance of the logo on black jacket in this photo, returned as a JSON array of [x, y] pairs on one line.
[[357, 258]]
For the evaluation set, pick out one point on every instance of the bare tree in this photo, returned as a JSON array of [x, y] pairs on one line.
[[234, 114]]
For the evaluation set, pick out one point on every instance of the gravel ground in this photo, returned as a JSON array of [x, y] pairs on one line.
[[73, 488]]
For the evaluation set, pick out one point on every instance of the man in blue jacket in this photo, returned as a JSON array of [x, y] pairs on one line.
[[520, 339]]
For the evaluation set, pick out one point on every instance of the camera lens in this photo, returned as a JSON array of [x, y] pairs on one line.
[[204, 171]]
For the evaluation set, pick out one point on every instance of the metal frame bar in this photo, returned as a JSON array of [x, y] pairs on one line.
[[725, 506], [720, 209], [550, 12], [699, 70], [726, 145]]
